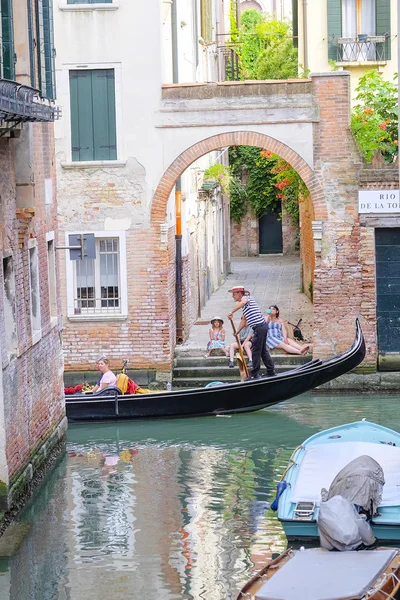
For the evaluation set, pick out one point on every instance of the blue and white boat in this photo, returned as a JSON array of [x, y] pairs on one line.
[[315, 464]]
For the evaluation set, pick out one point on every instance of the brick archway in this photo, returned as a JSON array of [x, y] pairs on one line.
[[236, 138]]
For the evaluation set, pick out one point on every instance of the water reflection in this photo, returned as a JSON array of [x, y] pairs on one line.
[[167, 509]]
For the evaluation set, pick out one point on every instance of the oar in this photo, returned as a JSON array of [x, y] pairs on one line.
[[239, 348]]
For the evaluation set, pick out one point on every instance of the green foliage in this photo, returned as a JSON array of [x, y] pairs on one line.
[[374, 120], [333, 65], [265, 181], [277, 61], [265, 47], [221, 174]]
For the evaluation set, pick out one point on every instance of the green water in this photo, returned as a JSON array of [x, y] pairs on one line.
[[168, 509]]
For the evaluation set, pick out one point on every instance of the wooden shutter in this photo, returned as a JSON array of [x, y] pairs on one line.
[[49, 51], [104, 130], [334, 27], [31, 35], [93, 127], [7, 39], [40, 47], [206, 20], [81, 115], [383, 23]]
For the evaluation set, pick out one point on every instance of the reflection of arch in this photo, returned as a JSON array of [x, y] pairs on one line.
[[236, 138], [250, 5]]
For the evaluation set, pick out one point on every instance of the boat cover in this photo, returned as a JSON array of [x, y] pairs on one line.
[[322, 462], [322, 575], [361, 482]]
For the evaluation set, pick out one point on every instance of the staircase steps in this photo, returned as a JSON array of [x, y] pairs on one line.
[[197, 371]]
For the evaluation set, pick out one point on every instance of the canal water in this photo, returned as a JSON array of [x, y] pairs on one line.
[[163, 510]]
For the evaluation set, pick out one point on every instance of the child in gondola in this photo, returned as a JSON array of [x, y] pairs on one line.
[[217, 336]]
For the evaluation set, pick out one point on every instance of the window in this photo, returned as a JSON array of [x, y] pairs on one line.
[[35, 293], [96, 288], [10, 305], [362, 28], [93, 125], [51, 266]]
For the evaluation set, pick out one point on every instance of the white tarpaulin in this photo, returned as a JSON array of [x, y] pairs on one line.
[[322, 462]]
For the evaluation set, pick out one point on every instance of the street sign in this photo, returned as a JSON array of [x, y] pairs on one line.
[[81, 245], [379, 201]]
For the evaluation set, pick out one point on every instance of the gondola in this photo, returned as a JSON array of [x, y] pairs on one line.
[[109, 404]]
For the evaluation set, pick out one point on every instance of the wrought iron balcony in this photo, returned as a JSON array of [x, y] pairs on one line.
[[20, 103], [363, 48]]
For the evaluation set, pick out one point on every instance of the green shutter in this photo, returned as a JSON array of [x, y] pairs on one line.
[[93, 127], [31, 44], [334, 27], [49, 51], [40, 47], [7, 39], [383, 23]]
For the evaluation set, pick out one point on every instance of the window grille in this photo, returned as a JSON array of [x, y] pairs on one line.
[[97, 281]]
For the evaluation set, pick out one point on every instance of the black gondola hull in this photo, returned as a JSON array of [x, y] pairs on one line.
[[223, 399]]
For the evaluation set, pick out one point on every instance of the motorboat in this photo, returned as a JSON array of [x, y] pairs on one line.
[[317, 574], [224, 398], [315, 464]]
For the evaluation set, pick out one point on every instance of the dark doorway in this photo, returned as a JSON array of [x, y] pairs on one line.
[[270, 233], [387, 252]]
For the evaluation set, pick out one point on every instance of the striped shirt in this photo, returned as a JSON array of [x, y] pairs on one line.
[[252, 313]]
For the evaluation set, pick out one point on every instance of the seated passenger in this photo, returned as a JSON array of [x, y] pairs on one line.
[[277, 335], [97, 386], [217, 336], [108, 377], [245, 335]]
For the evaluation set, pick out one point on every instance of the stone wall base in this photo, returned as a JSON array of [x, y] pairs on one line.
[[373, 382], [13, 496]]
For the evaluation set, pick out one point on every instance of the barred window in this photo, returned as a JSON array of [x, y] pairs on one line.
[[97, 281]]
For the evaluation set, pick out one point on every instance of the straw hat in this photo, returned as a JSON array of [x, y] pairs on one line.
[[239, 288], [217, 319]]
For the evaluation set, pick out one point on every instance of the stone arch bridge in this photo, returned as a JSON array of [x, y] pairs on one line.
[[307, 122]]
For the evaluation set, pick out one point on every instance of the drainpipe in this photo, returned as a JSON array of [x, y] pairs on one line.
[[178, 193], [305, 38], [178, 253], [174, 37]]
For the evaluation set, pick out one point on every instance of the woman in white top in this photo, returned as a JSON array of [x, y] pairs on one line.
[[108, 377]]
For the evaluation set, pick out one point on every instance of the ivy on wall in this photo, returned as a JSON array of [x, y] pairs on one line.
[[264, 181]]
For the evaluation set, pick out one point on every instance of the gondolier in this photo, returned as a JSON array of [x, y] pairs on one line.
[[256, 320]]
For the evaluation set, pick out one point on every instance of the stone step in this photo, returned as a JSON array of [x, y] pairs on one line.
[[218, 361]]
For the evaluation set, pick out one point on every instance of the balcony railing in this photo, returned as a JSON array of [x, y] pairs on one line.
[[362, 49], [20, 103]]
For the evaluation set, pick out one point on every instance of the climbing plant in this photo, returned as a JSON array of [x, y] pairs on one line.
[[266, 182], [374, 119]]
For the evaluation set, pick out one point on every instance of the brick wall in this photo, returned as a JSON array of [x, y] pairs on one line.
[[33, 400]]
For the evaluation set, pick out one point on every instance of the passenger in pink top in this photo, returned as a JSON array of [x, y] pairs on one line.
[[108, 376]]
